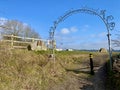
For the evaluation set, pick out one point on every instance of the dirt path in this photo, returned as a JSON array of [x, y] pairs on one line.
[[100, 78], [79, 78], [78, 81], [96, 82]]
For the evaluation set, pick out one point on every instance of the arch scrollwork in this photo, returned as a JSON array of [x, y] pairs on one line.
[[107, 20]]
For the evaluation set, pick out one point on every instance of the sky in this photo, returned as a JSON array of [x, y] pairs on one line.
[[78, 31]]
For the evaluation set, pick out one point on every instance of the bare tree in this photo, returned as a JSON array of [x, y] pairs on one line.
[[29, 32], [116, 42], [19, 29], [15, 27]]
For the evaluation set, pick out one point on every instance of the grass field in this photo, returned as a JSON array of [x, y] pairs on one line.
[[30, 70]]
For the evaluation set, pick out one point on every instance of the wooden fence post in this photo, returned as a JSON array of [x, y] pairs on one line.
[[12, 41], [33, 39]]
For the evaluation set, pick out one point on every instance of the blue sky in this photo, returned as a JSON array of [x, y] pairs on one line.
[[79, 31]]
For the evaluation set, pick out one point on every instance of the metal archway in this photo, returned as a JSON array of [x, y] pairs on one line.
[[107, 20]]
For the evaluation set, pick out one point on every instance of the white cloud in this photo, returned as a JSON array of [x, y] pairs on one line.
[[85, 28], [102, 34], [65, 31], [69, 30], [93, 40], [99, 35], [73, 29], [3, 20], [93, 35], [25, 24]]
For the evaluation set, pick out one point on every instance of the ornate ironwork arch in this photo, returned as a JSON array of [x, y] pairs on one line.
[[107, 20]]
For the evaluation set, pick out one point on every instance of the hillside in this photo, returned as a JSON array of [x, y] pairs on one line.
[[29, 70]]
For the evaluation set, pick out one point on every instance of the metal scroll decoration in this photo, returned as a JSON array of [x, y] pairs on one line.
[[107, 20]]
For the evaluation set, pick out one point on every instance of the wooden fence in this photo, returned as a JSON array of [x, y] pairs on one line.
[[23, 42]]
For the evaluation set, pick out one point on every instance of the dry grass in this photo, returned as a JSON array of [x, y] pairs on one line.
[[29, 70], [23, 70]]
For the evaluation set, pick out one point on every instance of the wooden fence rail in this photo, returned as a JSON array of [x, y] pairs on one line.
[[22, 42]]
